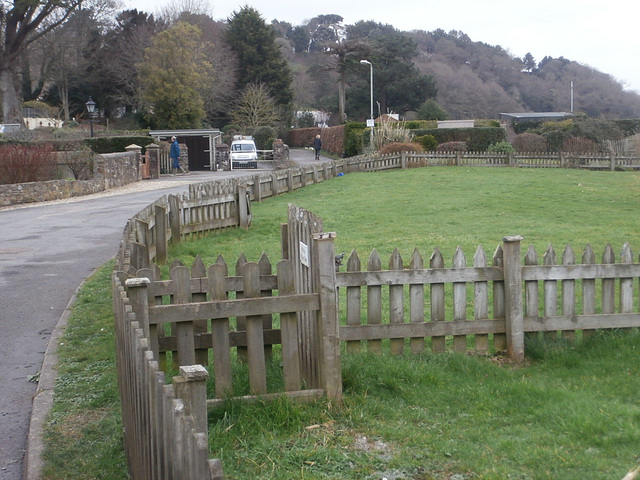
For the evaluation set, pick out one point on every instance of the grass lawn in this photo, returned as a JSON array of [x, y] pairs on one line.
[[570, 412]]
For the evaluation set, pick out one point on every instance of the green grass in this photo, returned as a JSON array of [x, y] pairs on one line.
[[447, 207], [83, 435], [570, 413]]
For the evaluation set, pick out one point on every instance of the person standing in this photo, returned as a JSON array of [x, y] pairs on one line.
[[175, 155], [317, 145]]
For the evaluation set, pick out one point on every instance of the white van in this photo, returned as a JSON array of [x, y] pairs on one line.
[[243, 153]]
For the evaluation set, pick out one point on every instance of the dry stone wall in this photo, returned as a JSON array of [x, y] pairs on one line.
[[109, 171]]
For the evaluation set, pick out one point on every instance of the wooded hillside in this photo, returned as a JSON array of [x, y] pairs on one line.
[[472, 79]]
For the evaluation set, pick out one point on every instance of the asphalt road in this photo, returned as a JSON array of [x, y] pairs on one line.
[[46, 252]]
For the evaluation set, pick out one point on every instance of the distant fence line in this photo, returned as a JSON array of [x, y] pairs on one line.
[[165, 424], [591, 161]]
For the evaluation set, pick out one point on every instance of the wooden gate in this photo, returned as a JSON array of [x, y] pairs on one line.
[[298, 246]]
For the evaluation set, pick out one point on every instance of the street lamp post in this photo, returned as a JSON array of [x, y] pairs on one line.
[[91, 108], [367, 62]]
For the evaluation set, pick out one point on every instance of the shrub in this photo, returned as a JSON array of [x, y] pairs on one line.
[[261, 136], [226, 129], [398, 147], [430, 110], [79, 162], [477, 139], [428, 142], [390, 132], [22, 163], [579, 145], [503, 147], [353, 138], [452, 147], [530, 142]]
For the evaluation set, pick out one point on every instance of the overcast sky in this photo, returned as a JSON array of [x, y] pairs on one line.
[[601, 34]]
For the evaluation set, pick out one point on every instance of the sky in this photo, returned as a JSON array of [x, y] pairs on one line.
[[601, 34]]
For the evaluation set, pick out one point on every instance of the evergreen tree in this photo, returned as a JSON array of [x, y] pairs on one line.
[[260, 60], [173, 72]]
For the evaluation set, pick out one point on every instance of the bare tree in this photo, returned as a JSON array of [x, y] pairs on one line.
[[21, 24], [256, 107]]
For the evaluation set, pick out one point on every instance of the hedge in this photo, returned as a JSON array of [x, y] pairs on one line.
[[116, 144], [477, 139]]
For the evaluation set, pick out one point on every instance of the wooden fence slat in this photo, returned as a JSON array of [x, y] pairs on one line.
[[184, 330], [396, 303], [255, 339], [416, 302], [481, 300], [550, 289], [437, 302], [499, 339], [264, 266], [608, 284], [531, 287], [354, 301], [459, 301], [289, 330], [220, 333], [200, 327], [626, 284], [588, 288], [374, 302], [568, 291]]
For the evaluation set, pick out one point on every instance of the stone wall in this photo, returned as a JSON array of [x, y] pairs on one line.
[[109, 171]]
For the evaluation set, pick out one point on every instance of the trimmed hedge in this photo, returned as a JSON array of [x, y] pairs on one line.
[[116, 144], [477, 139]]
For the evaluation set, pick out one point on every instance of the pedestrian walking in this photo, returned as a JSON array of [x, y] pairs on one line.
[[175, 155], [317, 145]]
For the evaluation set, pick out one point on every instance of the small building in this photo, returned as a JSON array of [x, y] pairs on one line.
[[201, 145], [456, 123], [533, 116]]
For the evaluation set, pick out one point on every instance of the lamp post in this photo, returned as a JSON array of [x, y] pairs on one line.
[[367, 62], [91, 108]]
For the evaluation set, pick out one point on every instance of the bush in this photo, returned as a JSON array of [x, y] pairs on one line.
[[22, 163], [390, 132], [226, 129], [477, 139], [430, 110], [353, 138], [579, 145], [502, 147], [398, 147], [530, 142], [452, 147], [261, 135], [428, 142]]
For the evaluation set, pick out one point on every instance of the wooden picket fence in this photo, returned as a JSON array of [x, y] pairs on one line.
[[206, 311], [592, 161], [481, 309]]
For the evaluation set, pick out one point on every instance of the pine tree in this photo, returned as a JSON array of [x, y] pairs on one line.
[[259, 56]]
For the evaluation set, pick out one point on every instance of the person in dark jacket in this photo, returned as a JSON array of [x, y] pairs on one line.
[[317, 145], [174, 155]]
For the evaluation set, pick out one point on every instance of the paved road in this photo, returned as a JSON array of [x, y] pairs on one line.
[[46, 251]]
